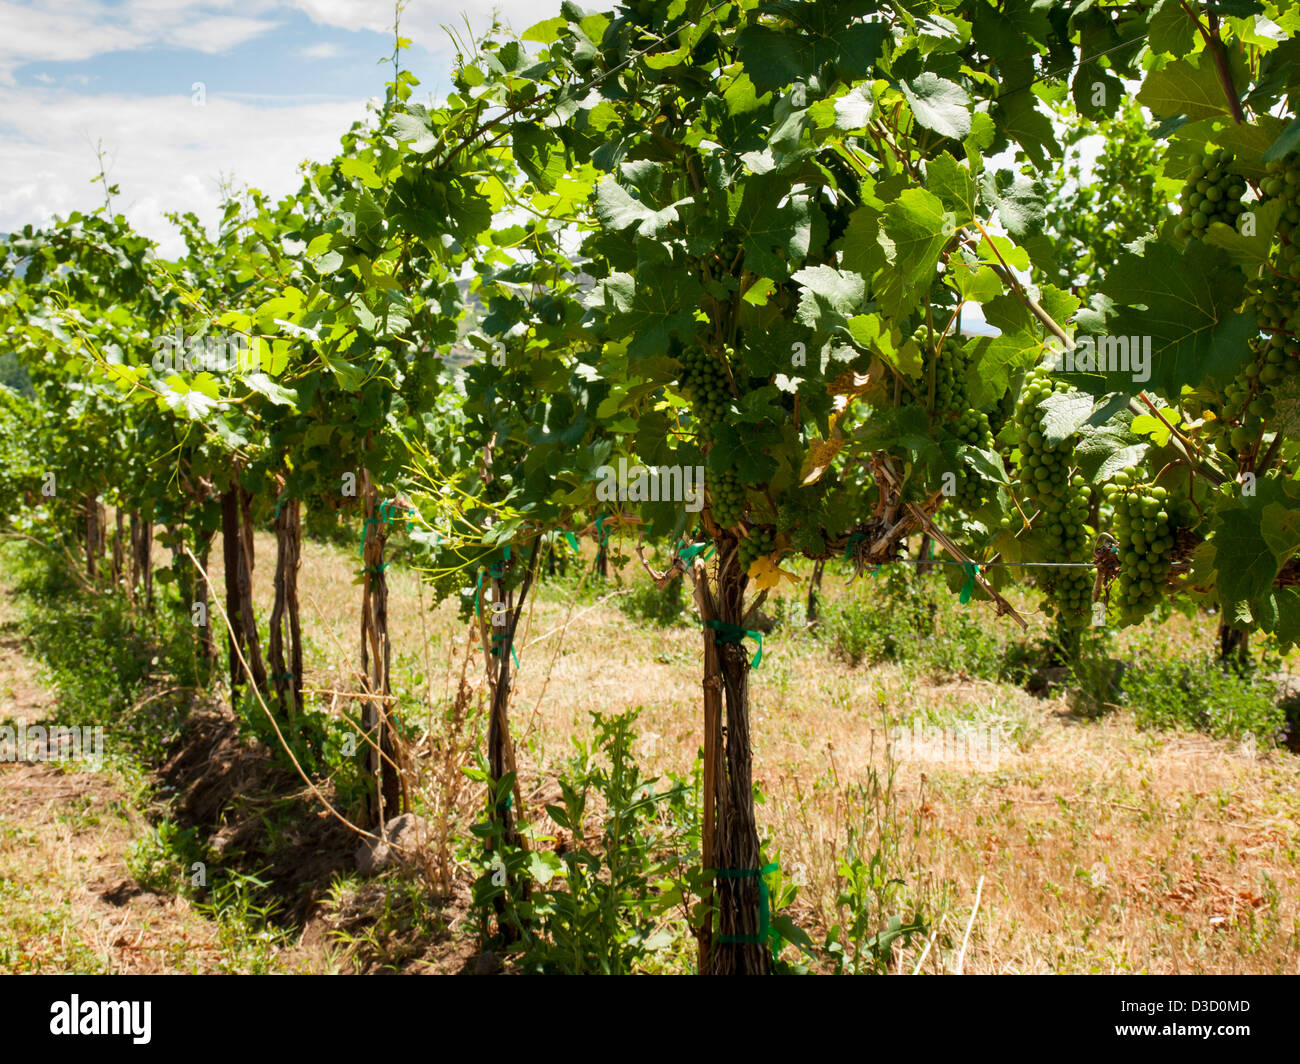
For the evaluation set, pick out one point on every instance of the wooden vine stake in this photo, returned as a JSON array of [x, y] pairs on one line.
[[142, 555], [388, 798], [285, 627], [730, 832], [92, 536], [237, 549], [500, 620], [712, 756]]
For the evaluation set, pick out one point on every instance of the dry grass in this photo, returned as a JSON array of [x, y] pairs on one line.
[[1103, 848], [1095, 846], [68, 900]]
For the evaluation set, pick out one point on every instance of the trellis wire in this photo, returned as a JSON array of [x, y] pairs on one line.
[[987, 565]]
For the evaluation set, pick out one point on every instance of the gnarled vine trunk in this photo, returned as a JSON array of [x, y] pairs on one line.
[[499, 653], [388, 798], [813, 612], [1233, 645], [92, 536], [237, 546], [730, 832], [142, 555], [206, 638], [119, 554], [286, 676]]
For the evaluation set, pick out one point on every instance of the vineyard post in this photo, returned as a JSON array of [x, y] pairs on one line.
[[287, 677], [91, 511], [119, 558], [252, 640], [381, 750], [231, 555], [712, 702]]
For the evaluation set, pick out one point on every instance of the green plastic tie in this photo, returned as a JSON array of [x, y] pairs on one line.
[[365, 531], [854, 540], [573, 542], [601, 532], [496, 650], [688, 554], [733, 633], [968, 589], [282, 676], [278, 507], [765, 929]]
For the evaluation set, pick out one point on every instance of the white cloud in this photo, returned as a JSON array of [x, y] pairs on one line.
[[164, 153], [324, 50], [168, 155], [423, 20], [72, 30], [217, 34]]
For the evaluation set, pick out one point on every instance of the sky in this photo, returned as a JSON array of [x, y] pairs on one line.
[[281, 81], [183, 95]]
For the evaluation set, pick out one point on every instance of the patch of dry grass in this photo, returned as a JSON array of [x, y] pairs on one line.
[[1102, 848]]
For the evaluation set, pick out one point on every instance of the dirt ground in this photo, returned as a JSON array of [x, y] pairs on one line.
[[1084, 846]]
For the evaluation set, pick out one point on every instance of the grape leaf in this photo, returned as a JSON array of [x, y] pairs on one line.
[[916, 230], [1186, 306], [1187, 86], [1063, 414], [939, 104]]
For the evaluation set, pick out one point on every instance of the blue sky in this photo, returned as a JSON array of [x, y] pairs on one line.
[[282, 80]]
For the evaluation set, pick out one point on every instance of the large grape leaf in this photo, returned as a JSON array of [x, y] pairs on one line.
[[1019, 201], [829, 296], [939, 105], [617, 209], [1188, 87], [1186, 304], [774, 58], [994, 359], [954, 184], [1064, 413], [1245, 565], [777, 229], [916, 230], [1253, 536]]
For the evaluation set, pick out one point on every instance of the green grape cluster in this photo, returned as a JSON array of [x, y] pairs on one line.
[[726, 498], [951, 363], [1247, 403], [954, 413], [1275, 297], [1145, 534], [704, 382], [1071, 591], [1212, 194], [1062, 499], [760, 541], [1282, 181]]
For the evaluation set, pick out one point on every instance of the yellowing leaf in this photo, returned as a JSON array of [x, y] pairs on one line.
[[766, 573], [850, 383], [820, 455]]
